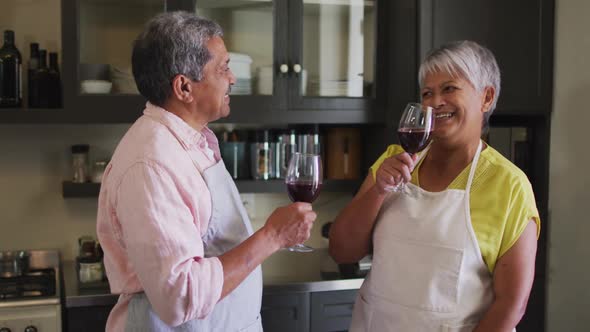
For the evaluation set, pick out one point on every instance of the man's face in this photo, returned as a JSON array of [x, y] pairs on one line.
[[212, 92]]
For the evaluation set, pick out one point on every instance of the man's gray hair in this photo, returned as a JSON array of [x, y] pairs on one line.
[[172, 43], [468, 60]]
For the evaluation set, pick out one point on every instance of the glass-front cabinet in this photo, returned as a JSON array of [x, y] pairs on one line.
[[336, 51], [294, 60], [107, 29], [98, 83], [304, 56]]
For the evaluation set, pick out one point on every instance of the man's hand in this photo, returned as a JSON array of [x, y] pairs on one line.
[[290, 225]]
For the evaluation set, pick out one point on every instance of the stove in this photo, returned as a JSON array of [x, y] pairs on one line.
[[31, 302]]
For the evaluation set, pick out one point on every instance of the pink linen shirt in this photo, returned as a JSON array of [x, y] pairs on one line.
[[154, 207]]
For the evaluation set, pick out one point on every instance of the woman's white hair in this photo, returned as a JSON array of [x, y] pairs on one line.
[[468, 60]]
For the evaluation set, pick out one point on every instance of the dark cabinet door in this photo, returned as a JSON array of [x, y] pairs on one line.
[[285, 312], [519, 33], [332, 311], [87, 319]]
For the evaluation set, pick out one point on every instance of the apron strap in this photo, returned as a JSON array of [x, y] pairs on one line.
[[474, 162], [473, 167]]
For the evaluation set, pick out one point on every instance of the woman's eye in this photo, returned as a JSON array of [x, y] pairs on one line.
[[426, 94], [449, 88]]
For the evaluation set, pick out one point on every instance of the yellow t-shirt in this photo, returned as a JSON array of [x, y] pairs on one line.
[[501, 202]]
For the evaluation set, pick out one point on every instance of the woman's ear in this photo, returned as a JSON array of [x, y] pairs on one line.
[[489, 94], [182, 88]]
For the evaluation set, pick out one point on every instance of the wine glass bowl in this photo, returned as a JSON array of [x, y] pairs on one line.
[[304, 183], [415, 131], [415, 127]]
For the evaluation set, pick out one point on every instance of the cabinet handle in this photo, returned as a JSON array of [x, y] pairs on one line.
[[284, 68], [297, 68]]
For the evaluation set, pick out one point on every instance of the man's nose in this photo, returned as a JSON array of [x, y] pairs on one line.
[[232, 77]]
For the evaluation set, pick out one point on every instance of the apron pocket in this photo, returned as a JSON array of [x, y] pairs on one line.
[[417, 275], [459, 328]]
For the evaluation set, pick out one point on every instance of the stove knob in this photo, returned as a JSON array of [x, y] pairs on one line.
[[5, 329], [30, 328]]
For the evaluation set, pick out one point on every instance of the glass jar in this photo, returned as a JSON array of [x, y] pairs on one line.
[[80, 162], [98, 170], [90, 270], [261, 156]]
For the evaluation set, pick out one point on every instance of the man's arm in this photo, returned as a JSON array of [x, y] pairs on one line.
[[165, 249], [286, 227], [513, 279]]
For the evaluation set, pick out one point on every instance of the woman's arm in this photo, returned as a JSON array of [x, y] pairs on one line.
[[513, 279], [350, 235]]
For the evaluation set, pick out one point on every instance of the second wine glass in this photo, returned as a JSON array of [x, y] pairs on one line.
[[304, 183]]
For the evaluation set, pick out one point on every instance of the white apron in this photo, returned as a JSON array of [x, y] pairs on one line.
[[229, 226], [428, 273]]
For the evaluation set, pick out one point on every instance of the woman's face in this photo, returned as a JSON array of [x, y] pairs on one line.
[[459, 108]]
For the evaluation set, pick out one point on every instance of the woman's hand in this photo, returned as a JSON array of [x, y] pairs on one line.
[[393, 171]]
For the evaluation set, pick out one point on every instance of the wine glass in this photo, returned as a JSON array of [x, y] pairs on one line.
[[304, 182], [415, 131]]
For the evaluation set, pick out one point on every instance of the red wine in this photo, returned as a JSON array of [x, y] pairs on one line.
[[303, 191], [414, 140]]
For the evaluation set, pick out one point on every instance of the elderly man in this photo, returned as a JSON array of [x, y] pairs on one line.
[[178, 244]]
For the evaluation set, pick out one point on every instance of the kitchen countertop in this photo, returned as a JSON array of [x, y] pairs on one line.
[[76, 297]]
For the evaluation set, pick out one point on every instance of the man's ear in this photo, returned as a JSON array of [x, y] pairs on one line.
[[182, 88]]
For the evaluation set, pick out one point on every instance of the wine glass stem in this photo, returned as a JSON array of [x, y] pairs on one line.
[[402, 185]]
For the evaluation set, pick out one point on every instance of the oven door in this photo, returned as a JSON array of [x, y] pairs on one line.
[[41, 317]]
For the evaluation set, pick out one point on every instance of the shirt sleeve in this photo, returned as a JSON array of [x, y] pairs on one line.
[[163, 244], [522, 209], [392, 150]]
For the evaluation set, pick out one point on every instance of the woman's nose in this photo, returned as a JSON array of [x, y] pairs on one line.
[[437, 101]]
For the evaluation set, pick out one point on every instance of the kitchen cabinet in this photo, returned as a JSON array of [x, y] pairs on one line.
[[87, 319], [302, 61], [285, 312], [326, 311], [295, 61], [332, 311], [520, 34], [97, 43]]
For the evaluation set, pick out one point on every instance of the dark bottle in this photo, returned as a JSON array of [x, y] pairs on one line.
[[32, 82], [41, 78], [54, 82], [10, 73]]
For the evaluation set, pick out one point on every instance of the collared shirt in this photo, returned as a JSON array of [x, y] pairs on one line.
[[154, 207]]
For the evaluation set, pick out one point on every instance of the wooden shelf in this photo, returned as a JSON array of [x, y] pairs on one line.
[[32, 115], [82, 190]]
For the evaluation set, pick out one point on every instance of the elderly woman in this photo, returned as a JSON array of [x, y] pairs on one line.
[[456, 250]]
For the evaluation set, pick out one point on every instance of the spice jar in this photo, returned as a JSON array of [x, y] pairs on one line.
[[80, 162], [98, 170], [261, 156]]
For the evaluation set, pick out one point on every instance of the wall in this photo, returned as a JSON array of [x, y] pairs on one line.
[[33, 214], [35, 161], [569, 252]]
